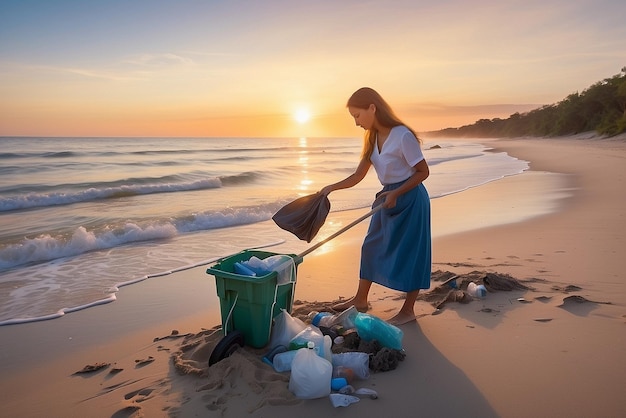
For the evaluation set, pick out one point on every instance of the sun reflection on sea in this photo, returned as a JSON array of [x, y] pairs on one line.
[[303, 162]]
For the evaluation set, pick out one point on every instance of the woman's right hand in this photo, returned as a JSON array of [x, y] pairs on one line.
[[326, 190]]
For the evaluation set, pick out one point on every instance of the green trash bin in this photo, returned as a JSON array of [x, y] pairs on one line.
[[250, 303]]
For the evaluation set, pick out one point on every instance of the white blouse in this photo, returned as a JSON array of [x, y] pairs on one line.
[[398, 156]]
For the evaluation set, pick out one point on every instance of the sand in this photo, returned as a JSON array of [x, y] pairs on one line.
[[555, 349]]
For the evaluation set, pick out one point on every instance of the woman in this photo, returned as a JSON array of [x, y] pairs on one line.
[[396, 252]]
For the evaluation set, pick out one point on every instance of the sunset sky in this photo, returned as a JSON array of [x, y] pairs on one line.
[[286, 68]]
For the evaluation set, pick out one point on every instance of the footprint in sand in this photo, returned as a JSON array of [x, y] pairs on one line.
[[577, 300], [144, 362], [128, 412], [567, 289], [142, 394], [579, 305]]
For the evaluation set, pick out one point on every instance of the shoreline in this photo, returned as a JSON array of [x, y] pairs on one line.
[[526, 205], [565, 247], [553, 192]]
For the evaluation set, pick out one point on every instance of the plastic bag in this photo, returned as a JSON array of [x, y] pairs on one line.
[[357, 361], [370, 327], [304, 216], [309, 333], [338, 399], [284, 265], [242, 269], [284, 329], [258, 266], [310, 374]]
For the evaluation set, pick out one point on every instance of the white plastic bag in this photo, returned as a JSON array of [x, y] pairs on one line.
[[284, 266], [258, 266], [284, 329], [310, 374], [357, 361], [309, 333]]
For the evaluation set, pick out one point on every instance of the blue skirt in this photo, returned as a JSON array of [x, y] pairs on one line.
[[396, 252]]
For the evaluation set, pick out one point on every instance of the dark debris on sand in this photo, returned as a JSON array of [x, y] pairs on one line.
[[444, 293], [382, 359], [493, 282], [579, 300], [91, 368]]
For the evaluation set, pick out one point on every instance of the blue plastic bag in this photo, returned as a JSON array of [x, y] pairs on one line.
[[370, 327]]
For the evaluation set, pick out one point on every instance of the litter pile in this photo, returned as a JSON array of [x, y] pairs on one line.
[[346, 347], [458, 288], [333, 351], [317, 365]]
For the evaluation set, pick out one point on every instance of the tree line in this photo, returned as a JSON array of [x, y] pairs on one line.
[[600, 108]]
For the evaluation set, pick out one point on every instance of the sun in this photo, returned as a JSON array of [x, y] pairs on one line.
[[302, 116]]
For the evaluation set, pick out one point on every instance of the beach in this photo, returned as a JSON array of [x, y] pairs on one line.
[[554, 349]]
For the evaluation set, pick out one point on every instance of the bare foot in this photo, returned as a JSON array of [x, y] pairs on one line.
[[401, 318], [346, 304]]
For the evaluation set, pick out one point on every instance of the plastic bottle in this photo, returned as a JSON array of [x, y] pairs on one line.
[[370, 327], [282, 361], [303, 337], [326, 319], [243, 270], [328, 344], [481, 290], [257, 265], [310, 374], [476, 291]]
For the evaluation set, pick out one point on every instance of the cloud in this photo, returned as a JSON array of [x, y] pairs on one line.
[[160, 60], [15, 69], [137, 68]]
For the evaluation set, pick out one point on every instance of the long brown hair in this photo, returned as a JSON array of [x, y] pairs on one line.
[[362, 99]]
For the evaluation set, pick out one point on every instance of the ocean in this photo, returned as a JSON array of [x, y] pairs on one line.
[[82, 217]]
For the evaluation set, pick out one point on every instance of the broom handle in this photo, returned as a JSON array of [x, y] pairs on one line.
[[341, 231]]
